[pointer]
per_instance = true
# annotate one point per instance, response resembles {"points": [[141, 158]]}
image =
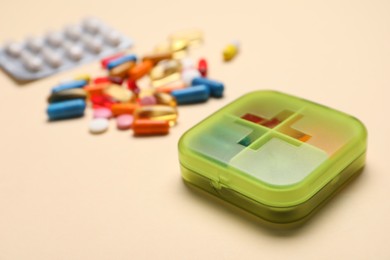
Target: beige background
{"points": [[65, 194]]}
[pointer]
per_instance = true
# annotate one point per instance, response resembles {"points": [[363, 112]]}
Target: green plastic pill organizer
{"points": [[275, 155]]}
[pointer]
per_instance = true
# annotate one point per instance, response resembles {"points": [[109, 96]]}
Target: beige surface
{"points": [[65, 194]]}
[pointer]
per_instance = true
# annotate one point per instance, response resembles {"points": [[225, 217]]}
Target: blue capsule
{"points": [[66, 109], [194, 94], [216, 87], [69, 85], [120, 60]]}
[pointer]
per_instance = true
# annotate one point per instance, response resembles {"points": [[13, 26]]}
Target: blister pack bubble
{"points": [[73, 45]]}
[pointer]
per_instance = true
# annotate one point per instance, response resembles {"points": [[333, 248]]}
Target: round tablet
{"points": [[73, 32], [112, 37], [124, 122], [187, 63], [91, 25], [148, 100], [33, 64], [54, 39], [94, 45], [14, 49], [189, 75], [35, 44], [75, 52], [52, 58], [102, 113], [98, 125]]}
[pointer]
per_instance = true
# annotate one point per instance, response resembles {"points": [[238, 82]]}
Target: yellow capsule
{"points": [[166, 80], [157, 112], [144, 92], [85, 77], [179, 45], [165, 68], [230, 51], [193, 37], [119, 93], [165, 99]]}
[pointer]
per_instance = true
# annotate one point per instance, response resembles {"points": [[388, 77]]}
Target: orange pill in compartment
{"points": [[150, 127], [123, 108], [140, 70]]}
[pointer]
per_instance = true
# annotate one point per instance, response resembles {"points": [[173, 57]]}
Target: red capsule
{"points": [[202, 67], [106, 60], [101, 80], [132, 85]]}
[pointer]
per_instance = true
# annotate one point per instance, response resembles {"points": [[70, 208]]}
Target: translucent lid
{"points": [[272, 147]]}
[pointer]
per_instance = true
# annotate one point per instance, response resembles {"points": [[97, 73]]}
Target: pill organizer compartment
{"points": [[275, 155]]}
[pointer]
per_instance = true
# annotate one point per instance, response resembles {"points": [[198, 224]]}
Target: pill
{"points": [[122, 70], [148, 101], [123, 108], [150, 127], [14, 49], [118, 61], [165, 99], [106, 60], [54, 39], [230, 51], [216, 87], [102, 113], [91, 25], [66, 109], [124, 122], [93, 44], [189, 75], [164, 81], [156, 57], [116, 80], [193, 36], [85, 77], [33, 64], [179, 45], [73, 32], [164, 68], [52, 58], [74, 52], [99, 80], [194, 94], [202, 67], [168, 88], [69, 85], [98, 125], [140, 69], [35, 44], [96, 89], [99, 101], [132, 85], [157, 112], [119, 93], [67, 94], [113, 38]]}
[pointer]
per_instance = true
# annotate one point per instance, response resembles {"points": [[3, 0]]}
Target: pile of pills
{"points": [[172, 79], [76, 44]]}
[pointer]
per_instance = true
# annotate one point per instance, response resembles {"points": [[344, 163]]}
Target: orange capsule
{"points": [[122, 70], [123, 108], [156, 57], [140, 70], [96, 89], [150, 127]]}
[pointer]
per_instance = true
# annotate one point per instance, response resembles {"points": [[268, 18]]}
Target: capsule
{"points": [[164, 81], [165, 99], [99, 101], [123, 108], [216, 87], [119, 93], [118, 61], [140, 70], [66, 109], [69, 85], [67, 94], [193, 36], [99, 80], [96, 89], [122, 70], [108, 59], [202, 67], [132, 85], [157, 112], [230, 51], [85, 77], [194, 94], [164, 68], [150, 127], [168, 88], [156, 57]]}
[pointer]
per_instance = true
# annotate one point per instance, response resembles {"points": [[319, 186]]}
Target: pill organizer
{"points": [[38, 57], [275, 155]]}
